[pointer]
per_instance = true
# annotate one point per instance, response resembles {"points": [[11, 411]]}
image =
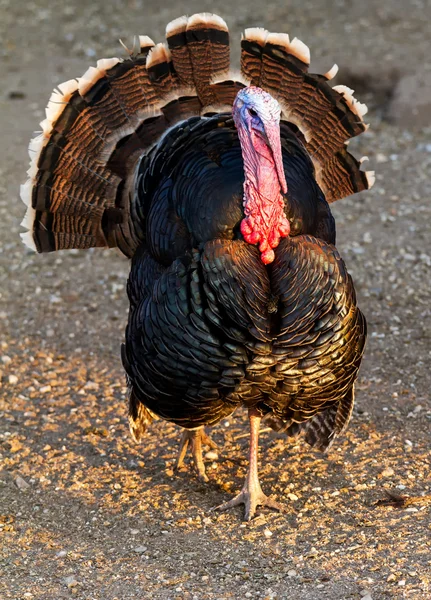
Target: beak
{"points": [[272, 132]]}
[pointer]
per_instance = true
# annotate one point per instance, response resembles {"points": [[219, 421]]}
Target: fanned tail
{"points": [[80, 190]]}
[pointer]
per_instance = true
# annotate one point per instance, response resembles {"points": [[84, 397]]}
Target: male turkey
{"points": [[217, 186]]}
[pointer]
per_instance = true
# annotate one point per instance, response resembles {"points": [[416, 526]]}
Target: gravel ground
{"points": [[87, 514]]}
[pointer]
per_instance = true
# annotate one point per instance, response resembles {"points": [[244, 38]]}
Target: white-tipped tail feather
{"points": [[158, 54], [25, 192], [278, 39], [300, 50], [332, 72], [29, 217], [209, 20], [256, 34], [27, 238], [176, 26], [347, 93], [371, 178], [145, 42]]}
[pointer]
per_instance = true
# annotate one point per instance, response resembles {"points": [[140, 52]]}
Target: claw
{"points": [[196, 438]]}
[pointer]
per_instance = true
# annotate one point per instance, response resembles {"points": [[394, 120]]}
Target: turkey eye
{"points": [[252, 112]]}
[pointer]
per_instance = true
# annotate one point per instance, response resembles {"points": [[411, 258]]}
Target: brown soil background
{"points": [[102, 518]]}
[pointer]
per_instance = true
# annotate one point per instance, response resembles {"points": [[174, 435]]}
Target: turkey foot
{"points": [[252, 497], [251, 494], [196, 438]]}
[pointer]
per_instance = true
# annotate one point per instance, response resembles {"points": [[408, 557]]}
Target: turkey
{"points": [[216, 184]]}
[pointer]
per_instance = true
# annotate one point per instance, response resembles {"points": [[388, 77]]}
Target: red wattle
{"points": [[246, 228], [266, 232], [267, 257]]}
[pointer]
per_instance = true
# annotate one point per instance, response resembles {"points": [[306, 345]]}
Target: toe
{"points": [[236, 501], [251, 502], [202, 474], [271, 503], [207, 441], [250, 509]]}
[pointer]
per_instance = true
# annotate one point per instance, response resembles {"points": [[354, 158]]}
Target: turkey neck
{"points": [[265, 222], [261, 186]]}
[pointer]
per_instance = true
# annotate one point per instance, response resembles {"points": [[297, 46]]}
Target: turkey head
{"points": [[257, 118]]}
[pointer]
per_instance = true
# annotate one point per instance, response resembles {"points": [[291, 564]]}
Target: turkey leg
{"points": [[251, 494], [196, 438]]}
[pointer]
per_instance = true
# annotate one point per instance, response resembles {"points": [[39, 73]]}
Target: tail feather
{"points": [[177, 41], [139, 417], [161, 72], [252, 44], [208, 43], [321, 430], [200, 51], [80, 188]]}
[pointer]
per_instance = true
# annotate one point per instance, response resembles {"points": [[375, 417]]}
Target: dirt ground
{"points": [[87, 514]]}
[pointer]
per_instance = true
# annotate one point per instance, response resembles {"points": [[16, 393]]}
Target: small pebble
{"points": [[211, 455], [134, 531], [91, 385], [360, 486], [388, 472], [6, 360], [291, 573], [267, 533], [70, 581], [402, 582], [61, 553], [140, 549], [13, 379], [292, 497], [21, 483]]}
